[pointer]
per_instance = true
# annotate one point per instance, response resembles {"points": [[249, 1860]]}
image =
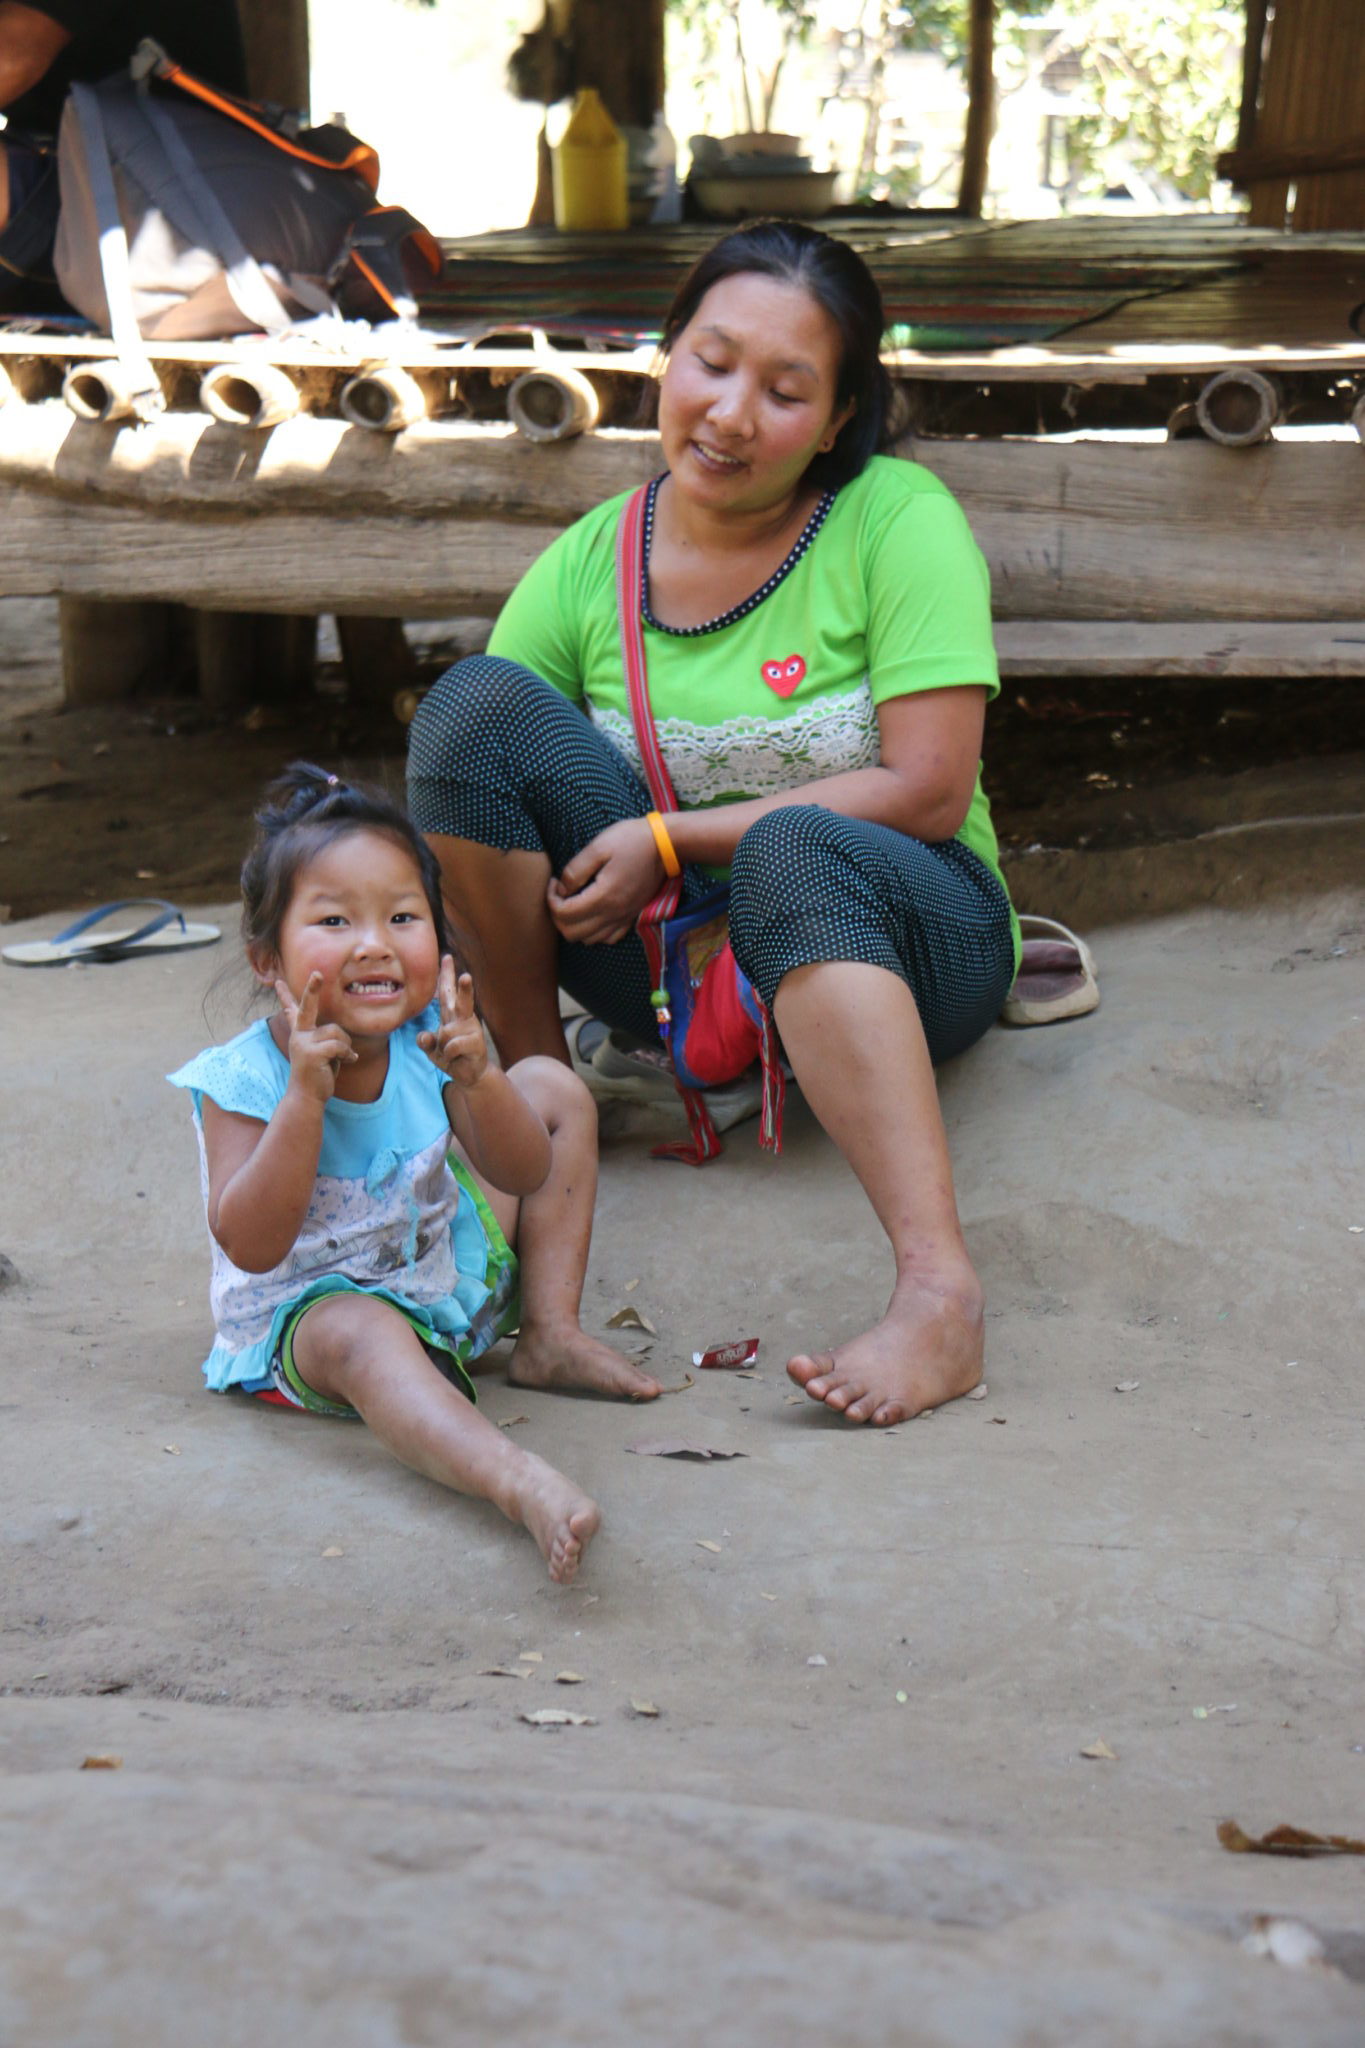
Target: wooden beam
{"points": [[976, 140], [1066, 649], [1300, 160], [445, 517]]}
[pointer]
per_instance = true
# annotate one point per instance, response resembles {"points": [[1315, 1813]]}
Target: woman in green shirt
{"points": [[817, 630]]}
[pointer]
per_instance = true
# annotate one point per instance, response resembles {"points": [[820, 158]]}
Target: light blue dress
{"points": [[388, 1217]]}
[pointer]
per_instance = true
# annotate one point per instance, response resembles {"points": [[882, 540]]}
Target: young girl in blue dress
{"points": [[367, 1172]]}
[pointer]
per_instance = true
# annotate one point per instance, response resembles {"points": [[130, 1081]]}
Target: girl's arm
{"points": [[262, 1176], [930, 752], [504, 1138]]}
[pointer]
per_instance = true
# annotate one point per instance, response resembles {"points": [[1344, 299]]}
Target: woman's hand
{"points": [[606, 885], [458, 1047], [315, 1052]]}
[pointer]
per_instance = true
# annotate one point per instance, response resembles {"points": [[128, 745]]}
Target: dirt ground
{"points": [[863, 1812]]}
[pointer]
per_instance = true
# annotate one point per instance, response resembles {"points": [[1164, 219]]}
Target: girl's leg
{"points": [[551, 1231], [353, 1349], [879, 955]]}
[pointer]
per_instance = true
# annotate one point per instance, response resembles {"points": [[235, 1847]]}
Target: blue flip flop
{"points": [[166, 932]]}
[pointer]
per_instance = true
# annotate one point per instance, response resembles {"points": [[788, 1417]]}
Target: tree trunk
{"points": [[976, 142]]}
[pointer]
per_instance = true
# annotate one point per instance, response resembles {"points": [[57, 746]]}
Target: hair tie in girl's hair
{"points": [[333, 782]]}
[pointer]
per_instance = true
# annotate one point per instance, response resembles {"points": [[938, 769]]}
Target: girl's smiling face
{"points": [[748, 397], [359, 917]]}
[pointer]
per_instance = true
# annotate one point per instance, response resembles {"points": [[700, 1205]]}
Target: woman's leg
{"points": [[856, 1045], [551, 1231], [354, 1349], [860, 939], [508, 780]]}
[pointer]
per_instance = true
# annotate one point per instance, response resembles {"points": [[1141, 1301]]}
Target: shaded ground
{"points": [[90, 798]]}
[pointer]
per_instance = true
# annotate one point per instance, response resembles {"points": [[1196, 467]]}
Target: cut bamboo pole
{"points": [[1239, 408], [255, 395], [383, 398], [553, 405], [100, 390]]}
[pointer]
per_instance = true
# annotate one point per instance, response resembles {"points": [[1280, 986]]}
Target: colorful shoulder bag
{"points": [[712, 1021]]}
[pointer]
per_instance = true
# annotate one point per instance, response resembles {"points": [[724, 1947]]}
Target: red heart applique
{"points": [[783, 677]]}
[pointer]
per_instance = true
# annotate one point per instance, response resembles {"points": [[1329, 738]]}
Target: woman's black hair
{"points": [[303, 811], [837, 278]]}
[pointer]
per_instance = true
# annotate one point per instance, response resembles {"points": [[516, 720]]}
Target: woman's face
{"points": [[748, 395]]}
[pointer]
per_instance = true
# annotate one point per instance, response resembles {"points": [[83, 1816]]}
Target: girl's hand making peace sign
{"points": [[458, 1047], [315, 1052]]}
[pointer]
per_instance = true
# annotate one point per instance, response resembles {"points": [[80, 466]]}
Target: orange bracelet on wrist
{"points": [[667, 854]]}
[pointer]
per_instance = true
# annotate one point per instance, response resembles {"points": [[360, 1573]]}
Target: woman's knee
{"points": [[481, 700], [785, 863]]}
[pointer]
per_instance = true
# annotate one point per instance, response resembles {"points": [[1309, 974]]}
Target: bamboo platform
{"points": [[1121, 537]]}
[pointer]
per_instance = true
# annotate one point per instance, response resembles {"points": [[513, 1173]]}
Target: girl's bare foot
{"points": [[568, 1359], [562, 1519], [926, 1349]]}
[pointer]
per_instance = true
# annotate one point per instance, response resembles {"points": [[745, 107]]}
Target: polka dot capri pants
{"points": [[500, 757]]}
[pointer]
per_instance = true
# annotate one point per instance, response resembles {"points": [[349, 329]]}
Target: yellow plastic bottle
{"points": [[589, 169]]}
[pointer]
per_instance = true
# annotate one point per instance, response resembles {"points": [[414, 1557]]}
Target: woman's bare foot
{"points": [[926, 1349], [567, 1359], [562, 1519]]}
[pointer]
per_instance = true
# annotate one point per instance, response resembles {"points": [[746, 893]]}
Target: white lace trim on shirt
{"points": [[751, 756]]}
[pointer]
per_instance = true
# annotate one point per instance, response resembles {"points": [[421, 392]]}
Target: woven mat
{"points": [[942, 289]]}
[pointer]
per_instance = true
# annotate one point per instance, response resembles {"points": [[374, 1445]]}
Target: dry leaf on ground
{"points": [[679, 1447], [530, 1656], [1126, 1386], [505, 1671], [1286, 1841], [978, 1393], [645, 1708], [682, 1386], [333, 1550], [1100, 1750], [631, 1318], [705, 1543], [511, 1421], [557, 1717], [103, 1760], [568, 1678]]}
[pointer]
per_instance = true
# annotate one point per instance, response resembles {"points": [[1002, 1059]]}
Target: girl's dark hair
{"points": [[302, 812], [837, 278]]}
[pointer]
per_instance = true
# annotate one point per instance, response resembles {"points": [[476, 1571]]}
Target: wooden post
{"points": [[111, 651], [275, 33], [1252, 58], [976, 140], [378, 660], [619, 49]]}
